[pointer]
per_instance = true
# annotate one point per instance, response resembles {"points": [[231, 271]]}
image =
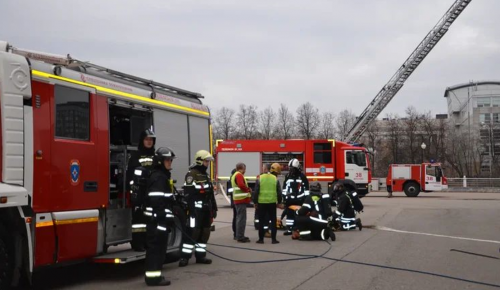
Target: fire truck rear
{"points": [[67, 129], [414, 178], [325, 161]]}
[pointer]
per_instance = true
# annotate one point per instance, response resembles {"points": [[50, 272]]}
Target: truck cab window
{"points": [[430, 170], [72, 112], [356, 157]]}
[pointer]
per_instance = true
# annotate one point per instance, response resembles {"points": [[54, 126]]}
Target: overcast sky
{"points": [[335, 54]]}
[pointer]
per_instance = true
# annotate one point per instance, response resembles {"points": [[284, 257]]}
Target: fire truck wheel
{"points": [[412, 189], [6, 259]]}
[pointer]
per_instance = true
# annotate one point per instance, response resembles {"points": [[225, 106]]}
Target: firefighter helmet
{"points": [[294, 163], [201, 156], [163, 153], [276, 168], [149, 133], [315, 187]]}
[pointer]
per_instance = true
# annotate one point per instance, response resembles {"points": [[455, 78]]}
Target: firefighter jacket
{"points": [[348, 203], [316, 206], [267, 189], [160, 199], [199, 190], [143, 157], [295, 186]]}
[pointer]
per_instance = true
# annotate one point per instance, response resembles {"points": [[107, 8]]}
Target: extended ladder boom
{"points": [[398, 79]]}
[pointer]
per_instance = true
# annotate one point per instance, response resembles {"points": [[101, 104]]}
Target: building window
{"points": [[483, 102], [496, 118], [485, 118], [323, 153], [72, 113], [495, 101]]}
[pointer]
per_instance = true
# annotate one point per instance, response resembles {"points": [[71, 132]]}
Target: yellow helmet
{"points": [[276, 168], [201, 156]]}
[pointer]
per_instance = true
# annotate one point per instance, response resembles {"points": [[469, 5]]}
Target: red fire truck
{"points": [[414, 178], [322, 160], [67, 128]]}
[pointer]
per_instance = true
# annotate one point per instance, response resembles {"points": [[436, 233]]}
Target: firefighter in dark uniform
{"points": [[139, 167], [348, 205], [314, 215], [200, 197], [295, 190], [158, 207]]}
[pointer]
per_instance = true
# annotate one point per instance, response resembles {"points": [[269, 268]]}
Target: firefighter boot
{"points": [[161, 281], [203, 261], [183, 262], [359, 224]]}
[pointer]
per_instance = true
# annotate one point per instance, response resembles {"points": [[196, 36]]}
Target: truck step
{"points": [[120, 257]]}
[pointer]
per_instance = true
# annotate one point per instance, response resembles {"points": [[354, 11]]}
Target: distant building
{"points": [[474, 107]]}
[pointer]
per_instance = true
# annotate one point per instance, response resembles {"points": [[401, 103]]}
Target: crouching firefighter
{"points": [[202, 207], [159, 204], [295, 190], [348, 205], [138, 170], [314, 216]]}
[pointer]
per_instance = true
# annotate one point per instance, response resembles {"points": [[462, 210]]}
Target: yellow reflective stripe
{"points": [[44, 224], [119, 93], [77, 221]]}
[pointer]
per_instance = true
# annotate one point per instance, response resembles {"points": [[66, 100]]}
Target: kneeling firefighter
{"points": [[159, 203], [314, 215], [348, 205], [200, 197]]}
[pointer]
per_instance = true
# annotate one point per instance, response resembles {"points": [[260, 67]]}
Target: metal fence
{"points": [[473, 182]]}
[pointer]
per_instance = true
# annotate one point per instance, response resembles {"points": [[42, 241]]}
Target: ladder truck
{"points": [[397, 81]]}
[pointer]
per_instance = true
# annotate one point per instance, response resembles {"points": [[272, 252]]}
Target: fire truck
{"points": [[67, 129], [325, 161], [414, 178]]}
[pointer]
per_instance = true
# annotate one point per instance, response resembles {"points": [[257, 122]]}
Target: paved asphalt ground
{"points": [[458, 250]]}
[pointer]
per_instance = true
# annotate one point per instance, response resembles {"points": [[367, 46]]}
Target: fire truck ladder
{"points": [[398, 79]]}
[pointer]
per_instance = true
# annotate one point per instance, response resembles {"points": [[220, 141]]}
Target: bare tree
{"points": [[307, 120], [411, 124], [224, 127], [267, 123], [285, 125], [394, 128], [372, 142], [344, 123], [247, 121], [327, 126]]}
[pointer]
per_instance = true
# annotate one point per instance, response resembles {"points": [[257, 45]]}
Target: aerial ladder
{"points": [[388, 92]]}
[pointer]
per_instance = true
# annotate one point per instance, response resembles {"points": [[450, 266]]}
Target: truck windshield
{"points": [[356, 157]]}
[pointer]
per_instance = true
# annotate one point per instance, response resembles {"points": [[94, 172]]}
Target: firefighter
{"points": [[266, 198], [202, 207], [314, 215], [295, 189], [158, 207], [138, 169], [348, 205]]}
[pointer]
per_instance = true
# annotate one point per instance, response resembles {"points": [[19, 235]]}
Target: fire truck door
{"points": [[431, 179], [355, 164], [77, 191]]}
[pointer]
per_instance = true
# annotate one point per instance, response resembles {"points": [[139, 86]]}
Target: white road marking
{"points": [[434, 235]]}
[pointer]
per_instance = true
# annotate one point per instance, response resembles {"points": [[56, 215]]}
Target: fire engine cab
{"points": [[413, 178], [325, 161], [67, 129]]}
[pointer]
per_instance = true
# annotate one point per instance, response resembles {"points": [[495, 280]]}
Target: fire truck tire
{"points": [[412, 189], [6, 259]]}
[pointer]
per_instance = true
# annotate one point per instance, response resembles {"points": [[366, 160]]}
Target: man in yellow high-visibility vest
{"points": [[241, 198]]}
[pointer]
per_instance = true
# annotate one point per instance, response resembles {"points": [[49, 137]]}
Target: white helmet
{"points": [[294, 163]]}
